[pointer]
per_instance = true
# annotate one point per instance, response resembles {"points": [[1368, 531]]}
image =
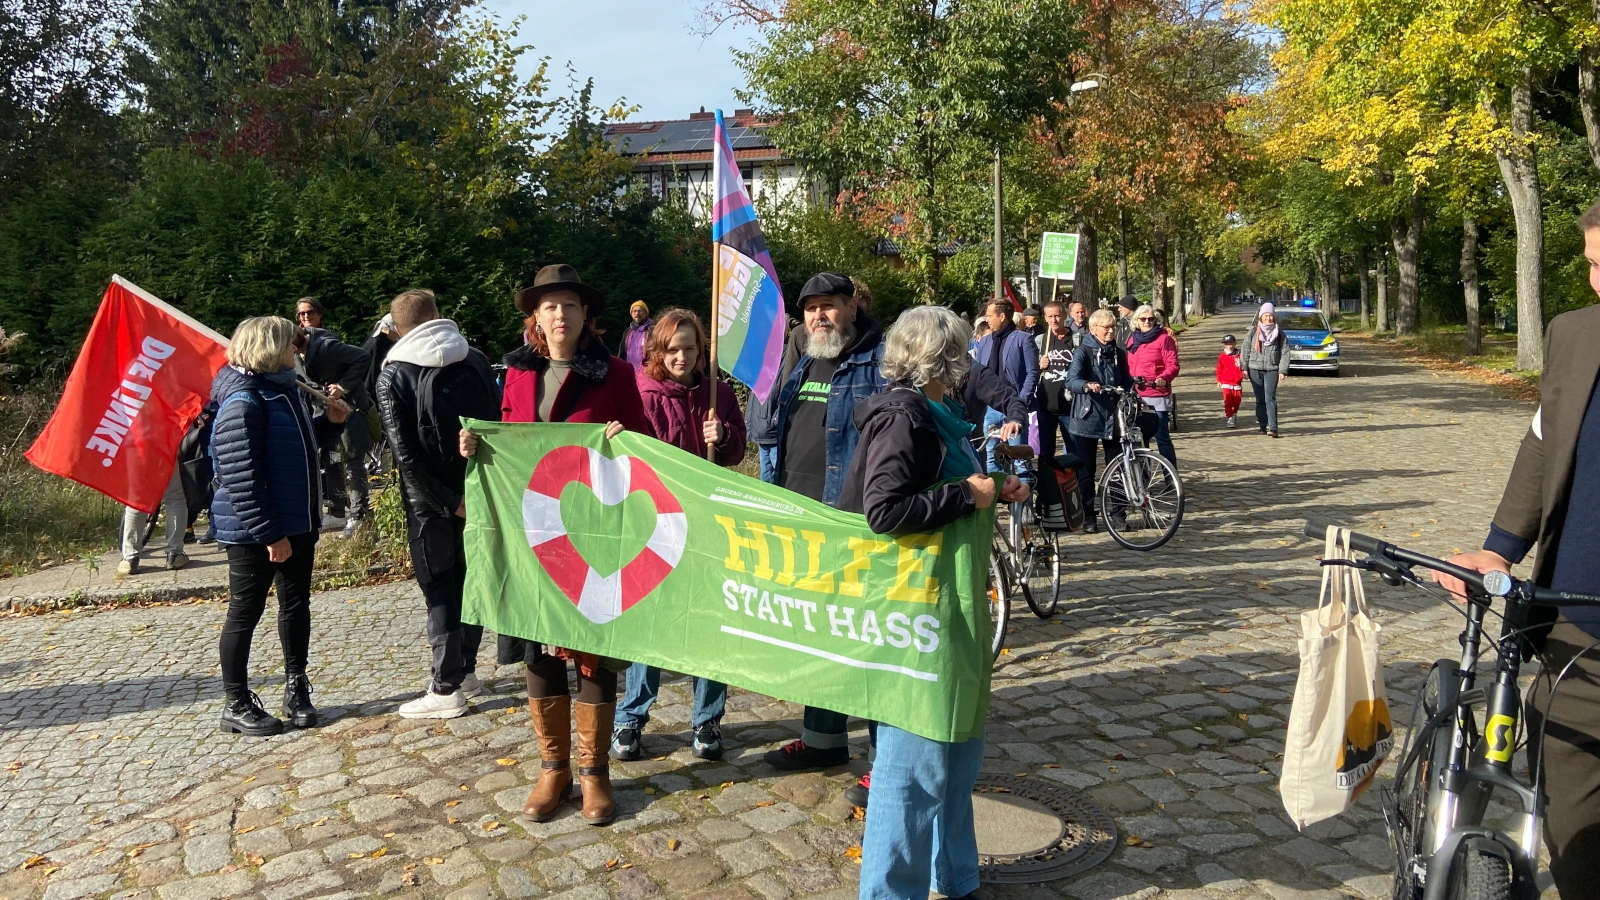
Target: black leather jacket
{"points": [[422, 409], [328, 360]]}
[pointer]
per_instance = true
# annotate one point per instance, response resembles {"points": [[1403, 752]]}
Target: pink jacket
{"points": [[1156, 359], [678, 415]]}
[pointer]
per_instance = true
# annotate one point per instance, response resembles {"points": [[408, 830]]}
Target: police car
{"points": [[1312, 347]]}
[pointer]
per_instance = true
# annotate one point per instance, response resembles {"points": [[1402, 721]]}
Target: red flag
{"points": [[142, 377]]}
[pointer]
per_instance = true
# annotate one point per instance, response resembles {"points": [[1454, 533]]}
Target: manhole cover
{"points": [[1031, 831]]}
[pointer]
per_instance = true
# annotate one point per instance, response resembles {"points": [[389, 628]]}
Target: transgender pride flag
{"points": [[748, 299]]}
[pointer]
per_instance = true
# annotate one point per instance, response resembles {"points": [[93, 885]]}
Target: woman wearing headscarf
{"points": [[676, 391], [1266, 351], [268, 510], [1153, 356], [564, 374], [914, 470]]}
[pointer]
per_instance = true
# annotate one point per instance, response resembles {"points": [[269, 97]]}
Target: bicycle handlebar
{"points": [[1493, 584]]}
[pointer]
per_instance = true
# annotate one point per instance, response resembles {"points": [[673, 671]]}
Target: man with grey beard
{"points": [[816, 438]]}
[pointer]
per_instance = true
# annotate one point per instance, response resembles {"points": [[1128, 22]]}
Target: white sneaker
{"points": [[1231, 423], [435, 706], [470, 686]]}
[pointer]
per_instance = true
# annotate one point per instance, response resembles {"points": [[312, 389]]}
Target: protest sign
{"points": [[635, 550], [142, 377]]}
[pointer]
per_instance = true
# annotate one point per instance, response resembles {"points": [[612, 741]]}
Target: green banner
{"points": [[633, 549]]}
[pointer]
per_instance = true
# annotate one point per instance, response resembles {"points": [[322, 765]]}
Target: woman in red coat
{"points": [[677, 400], [564, 374]]}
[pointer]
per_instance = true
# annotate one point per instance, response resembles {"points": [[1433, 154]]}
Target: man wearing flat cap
{"points": [[816, 438]]}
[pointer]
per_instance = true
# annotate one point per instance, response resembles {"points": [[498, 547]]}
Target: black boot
{"points": [[297, 706], [242, 714]]}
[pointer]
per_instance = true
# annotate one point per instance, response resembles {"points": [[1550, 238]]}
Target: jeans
{"points": [[176, 507], [455, 643], [919, 826], [993, 418], [250, 574], [1162, 435], [1050, 425], [644, 685], [769, 462], [1264, 384], [1084, 448]]}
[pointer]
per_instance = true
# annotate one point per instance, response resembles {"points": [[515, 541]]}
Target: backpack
{"points": [[1060, 503], [195, 468]]}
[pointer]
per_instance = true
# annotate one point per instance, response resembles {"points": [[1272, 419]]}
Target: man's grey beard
{"points": [[829, 343]]}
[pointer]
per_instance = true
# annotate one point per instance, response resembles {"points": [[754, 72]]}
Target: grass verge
{"points": [[45, 520]]}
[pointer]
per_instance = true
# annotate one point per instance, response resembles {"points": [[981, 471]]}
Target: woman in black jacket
{"points": [[915, 470], [1097, 362]]}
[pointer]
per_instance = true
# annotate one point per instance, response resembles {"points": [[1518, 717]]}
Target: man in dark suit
{"points": [[1552, 502]]}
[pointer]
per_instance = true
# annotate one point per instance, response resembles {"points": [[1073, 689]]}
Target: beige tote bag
{"points": [[1340, 731]]}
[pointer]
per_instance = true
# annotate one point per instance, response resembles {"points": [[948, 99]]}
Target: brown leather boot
{"points": [[552, 722], [594, 769]]}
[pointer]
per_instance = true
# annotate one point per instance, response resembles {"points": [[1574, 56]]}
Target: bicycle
{"points": [[1139, 482], [1449, 768], [1025, 547]]}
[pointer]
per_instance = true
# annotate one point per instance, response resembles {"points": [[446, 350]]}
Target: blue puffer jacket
{"points": [[1095, 415], [1017, 361], [854, 380], [264, 450]]}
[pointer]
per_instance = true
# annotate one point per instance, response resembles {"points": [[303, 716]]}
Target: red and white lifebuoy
{"points": [[600, 599]]}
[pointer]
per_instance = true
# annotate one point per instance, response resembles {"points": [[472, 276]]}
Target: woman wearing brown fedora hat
{"points": [[565, 374]]}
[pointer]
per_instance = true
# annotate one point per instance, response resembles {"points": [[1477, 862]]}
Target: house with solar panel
{"points": [[673, 160]]}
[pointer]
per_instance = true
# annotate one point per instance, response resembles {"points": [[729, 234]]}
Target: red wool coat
{"points": [[600, 389], [678, 415]]}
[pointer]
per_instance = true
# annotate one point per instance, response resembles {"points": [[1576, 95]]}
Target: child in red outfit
{"points": [[1230, 378]]}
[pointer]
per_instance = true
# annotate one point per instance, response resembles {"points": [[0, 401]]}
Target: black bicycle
{"points": [[1450, 768]]}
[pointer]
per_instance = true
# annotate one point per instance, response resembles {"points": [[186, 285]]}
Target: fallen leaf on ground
{"points": [[358, 855], [253, 778], [452, 803], [1220, 690], [853, 854], [505, 761], [764, 802], [249, 828], [36, 860], [492, 825], [1046, 765], [612, 863], [254, 860], [384, 851], [436, 860], [672, 843], [725, 784], [1133, 840]]}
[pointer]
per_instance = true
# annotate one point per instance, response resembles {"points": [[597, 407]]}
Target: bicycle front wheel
{"points": [[999, 603], [1040, 558], [1141, 497]]}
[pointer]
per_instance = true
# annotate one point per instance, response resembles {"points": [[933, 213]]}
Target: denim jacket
{"points": [[856, 379]]}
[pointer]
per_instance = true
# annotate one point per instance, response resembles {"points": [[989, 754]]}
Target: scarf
{"points": [[959, 458], [1265, 334], [1140, 338]]}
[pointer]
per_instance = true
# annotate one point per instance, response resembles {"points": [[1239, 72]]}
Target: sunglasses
{"points": [[1147, 318]]}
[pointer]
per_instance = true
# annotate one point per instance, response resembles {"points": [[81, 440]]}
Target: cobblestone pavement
{"points": [[1160, 690]]}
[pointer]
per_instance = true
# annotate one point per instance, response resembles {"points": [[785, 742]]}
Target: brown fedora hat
{"points": [[560, 277]]}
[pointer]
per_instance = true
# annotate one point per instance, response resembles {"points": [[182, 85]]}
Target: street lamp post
{"points": [[1089, 83]]}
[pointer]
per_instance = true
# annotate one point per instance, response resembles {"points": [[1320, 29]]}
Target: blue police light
{"points": [[1308, 302]]}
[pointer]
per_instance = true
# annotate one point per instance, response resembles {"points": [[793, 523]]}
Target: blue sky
{"points": [[643, 50]]}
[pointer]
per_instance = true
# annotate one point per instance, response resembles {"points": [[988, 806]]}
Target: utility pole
{"points": [[999, 233]]}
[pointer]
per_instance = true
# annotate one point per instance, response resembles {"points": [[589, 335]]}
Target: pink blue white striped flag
{"points": [[750, 319]]}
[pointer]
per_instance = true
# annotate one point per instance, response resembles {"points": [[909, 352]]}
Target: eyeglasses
{"points": [[305, 314], [1147, 318]]}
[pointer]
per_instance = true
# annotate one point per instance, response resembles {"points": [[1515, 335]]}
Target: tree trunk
{"points": [[1519, 170], [1365, 283], [1086, 281], [1158, 272], [1383, 289], [1330, 289], [1199, 298], [1589, 94], [1407, 234], [1027, 271], [1123, 289], [1179, 276], [1469, 282]]}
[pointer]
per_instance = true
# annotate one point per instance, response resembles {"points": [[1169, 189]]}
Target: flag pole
{"points": [[711, 354]]}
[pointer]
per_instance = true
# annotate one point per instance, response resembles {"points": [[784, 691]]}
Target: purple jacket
{"points": [[678, 415], [633, 343]]}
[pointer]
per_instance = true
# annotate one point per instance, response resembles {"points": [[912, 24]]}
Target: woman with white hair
{"points": [[267, 511], [914, 470], [1153, 361]]}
